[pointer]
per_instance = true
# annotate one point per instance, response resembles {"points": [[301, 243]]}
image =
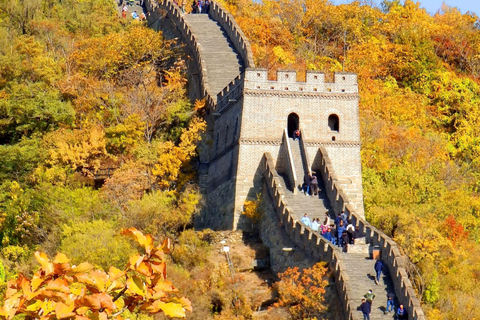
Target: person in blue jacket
{"points": [[366, 309], [378, 269], [328, 235], [340, 229], [402, 313]]}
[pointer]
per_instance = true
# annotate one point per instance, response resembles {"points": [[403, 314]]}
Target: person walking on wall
{"points": [[314, 184], [344, 241], [369, 296], [366, 308], [378, 270], [351, 232], [340, 230], [390, 302], [315, 224], [306, 183], [296, 135], [402, 313], [328, 235], [305, 220]]}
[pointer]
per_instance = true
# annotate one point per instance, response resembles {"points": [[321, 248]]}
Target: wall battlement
{"points": [[256, 79]]}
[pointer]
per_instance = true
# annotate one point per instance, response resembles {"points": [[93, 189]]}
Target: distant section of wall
{"points": [[390, 253], [176, 18], [236, 35]]}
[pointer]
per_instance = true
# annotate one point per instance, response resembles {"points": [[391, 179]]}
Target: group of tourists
{"points": [[199, 6], [134, 14], [341, 234], [367, 301], [366, 306]]}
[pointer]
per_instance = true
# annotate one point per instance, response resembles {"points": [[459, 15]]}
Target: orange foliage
{"points": [[59, 290]]}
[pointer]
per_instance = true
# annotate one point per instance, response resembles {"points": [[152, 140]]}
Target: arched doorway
{"points": [[333, 122], [292, 124]]}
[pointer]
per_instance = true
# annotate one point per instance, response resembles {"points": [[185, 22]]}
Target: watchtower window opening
{"points": [[333, 122], [292, 124]]}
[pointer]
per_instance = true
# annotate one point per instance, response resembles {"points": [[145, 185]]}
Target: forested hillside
{"points": [[86, 95], [420, 94]]}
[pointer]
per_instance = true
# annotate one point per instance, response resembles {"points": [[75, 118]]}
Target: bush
{"points": [[97, 242]]}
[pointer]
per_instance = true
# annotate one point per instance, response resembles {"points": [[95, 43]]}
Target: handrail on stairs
{"points": [[292, 176], [303, 151]]}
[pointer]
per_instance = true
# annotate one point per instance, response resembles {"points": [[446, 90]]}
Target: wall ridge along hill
{"points": [[250, 119]]}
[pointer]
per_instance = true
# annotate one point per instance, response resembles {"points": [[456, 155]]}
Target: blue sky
{"points": [[433, 6]]}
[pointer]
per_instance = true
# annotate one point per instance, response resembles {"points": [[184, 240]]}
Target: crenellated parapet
{"points": [[344, 83], [230, 94]]}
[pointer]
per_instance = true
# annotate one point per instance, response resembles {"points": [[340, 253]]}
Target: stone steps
{"points": [[223, 63], [358, 263]]}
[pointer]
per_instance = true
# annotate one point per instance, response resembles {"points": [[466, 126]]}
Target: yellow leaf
{"points": [[42, 258], [64, 310], [82, 268], [135, 285], [61, 258], [171, 309]]}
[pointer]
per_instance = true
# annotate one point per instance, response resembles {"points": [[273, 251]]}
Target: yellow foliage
{"points": [[80, 149], [252, 210]]}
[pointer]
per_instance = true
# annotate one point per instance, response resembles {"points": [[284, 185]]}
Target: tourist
{"points": [[390, 301], [206, 6], [124, 11], [328, 235], [369, 296], [402, 313], [183, 5], [344, 217], [344, 241], [351, 232], [296, 135], [143, 17], [305, 220], [314, 184], [306, 183], [194, 6], [337, 220], [378, 269], [135, 15], [315, 224], [366, 308], [340, 230], [324, 227]]}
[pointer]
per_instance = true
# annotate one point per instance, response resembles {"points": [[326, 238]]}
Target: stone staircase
{"points": [[223, 63], [358, 262]]}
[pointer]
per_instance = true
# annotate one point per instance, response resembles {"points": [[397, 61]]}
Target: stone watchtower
{"points": [[255, 115]]}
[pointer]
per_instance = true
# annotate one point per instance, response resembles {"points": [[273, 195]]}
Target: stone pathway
{"points": [[223, 64], [357, 261]]}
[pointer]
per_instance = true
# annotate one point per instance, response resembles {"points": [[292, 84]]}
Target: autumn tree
{"points": [[302, 292], [61, 290]]}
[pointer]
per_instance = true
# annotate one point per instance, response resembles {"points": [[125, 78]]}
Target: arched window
{"points": [[292, 124], [333, 122]]}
